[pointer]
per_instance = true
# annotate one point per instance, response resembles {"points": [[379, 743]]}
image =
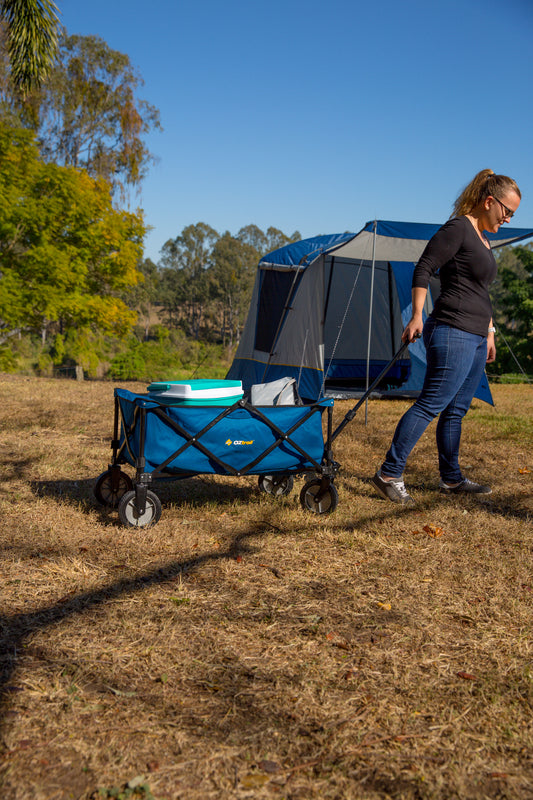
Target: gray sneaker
{"points": [[465, 487], [392, 490]]}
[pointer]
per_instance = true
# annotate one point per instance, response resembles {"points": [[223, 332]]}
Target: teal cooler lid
{"points": [[196, 384]]}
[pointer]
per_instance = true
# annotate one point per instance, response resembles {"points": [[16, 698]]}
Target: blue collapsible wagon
{"points": [[186, 439], [167, 435]]}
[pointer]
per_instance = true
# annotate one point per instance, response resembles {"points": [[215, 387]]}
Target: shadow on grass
{"points": [[236, 679], [14, 469], [196, 491], [14, 629], [429, 497]]}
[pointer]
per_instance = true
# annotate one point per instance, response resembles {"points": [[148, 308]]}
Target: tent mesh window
{"points": [[276, 288], [345, 356]]}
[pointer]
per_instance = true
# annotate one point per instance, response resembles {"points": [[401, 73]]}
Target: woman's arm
{"points": [[414, 327], [491, 344]]}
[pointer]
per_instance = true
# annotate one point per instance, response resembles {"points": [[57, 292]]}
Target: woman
{"points": [[458, 334]]}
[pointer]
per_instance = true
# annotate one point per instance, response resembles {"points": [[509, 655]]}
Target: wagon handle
{"points": [[351, 414]]}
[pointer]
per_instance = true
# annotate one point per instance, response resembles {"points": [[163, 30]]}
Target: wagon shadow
{"points": [[197, 492], [15, 469], [75, 491]]}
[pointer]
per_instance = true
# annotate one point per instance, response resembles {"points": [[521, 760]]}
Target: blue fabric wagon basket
{"points": [[238, 440], [183, 440]]}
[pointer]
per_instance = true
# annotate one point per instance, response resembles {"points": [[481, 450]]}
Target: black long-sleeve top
{"points": [[466, 270]]}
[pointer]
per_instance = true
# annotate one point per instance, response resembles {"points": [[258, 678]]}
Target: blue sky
{"points": [[319, 115]]}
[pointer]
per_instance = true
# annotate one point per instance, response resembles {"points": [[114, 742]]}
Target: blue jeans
{"points": [[455, 363]]}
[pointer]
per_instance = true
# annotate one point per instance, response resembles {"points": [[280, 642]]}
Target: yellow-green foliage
{"points": [[65, 251]]}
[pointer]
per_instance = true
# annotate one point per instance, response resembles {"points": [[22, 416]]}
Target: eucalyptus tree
{"points": [[185, 261], [89, 113], [231, 277]]}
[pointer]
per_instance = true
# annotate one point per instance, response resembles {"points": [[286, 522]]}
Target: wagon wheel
{"points": [[318, 498], [278, 485], [110, 486], [129, 515]]}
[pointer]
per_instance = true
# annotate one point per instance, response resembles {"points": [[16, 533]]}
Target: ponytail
{"points": [[485, 183]]}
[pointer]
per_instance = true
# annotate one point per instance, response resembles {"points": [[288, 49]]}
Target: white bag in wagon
{"points": [[282, 392]]}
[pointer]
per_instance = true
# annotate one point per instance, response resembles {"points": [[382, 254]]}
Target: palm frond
{"points": [[32, 30]]}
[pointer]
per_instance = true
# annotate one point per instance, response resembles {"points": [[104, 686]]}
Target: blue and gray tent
{"points": [[330, 310]]}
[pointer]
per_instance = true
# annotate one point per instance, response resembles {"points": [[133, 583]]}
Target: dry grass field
{"points": [[244, 648]]}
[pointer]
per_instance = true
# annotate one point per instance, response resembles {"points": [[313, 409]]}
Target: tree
{"points": [[143, 296], [184, 281], [65, 252], [513, 307], [276, 238], [31, 40], [255, 237], [90, 115], [231, 280], [266, 242]]}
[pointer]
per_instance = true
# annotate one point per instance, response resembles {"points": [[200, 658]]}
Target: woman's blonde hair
{"points": [[484, 184]]}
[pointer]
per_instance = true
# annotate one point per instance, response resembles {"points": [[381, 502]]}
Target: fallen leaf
{"points": [[238, 559], [253, 780], [386, 606], [433, 530], [466, 676], [269, 766], [337, 641], [524, 470]]}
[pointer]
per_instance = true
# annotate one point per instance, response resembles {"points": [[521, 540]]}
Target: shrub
{"points": [[128, 366], [8, 360]]}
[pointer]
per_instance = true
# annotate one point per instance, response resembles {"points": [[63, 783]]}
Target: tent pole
{"points": [[370, 318]]}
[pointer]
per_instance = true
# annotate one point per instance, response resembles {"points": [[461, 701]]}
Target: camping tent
{"points": [[329, 311]]}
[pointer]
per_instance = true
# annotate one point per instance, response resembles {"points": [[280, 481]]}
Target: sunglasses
{"points": [[507, 211]]}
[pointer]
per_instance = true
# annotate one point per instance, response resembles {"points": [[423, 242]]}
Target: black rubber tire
{"points": [[108, 495], [277, 485], [328, 501], [127, 510]]}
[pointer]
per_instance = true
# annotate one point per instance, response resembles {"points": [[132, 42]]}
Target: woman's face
{"points": [[500, 209]]}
